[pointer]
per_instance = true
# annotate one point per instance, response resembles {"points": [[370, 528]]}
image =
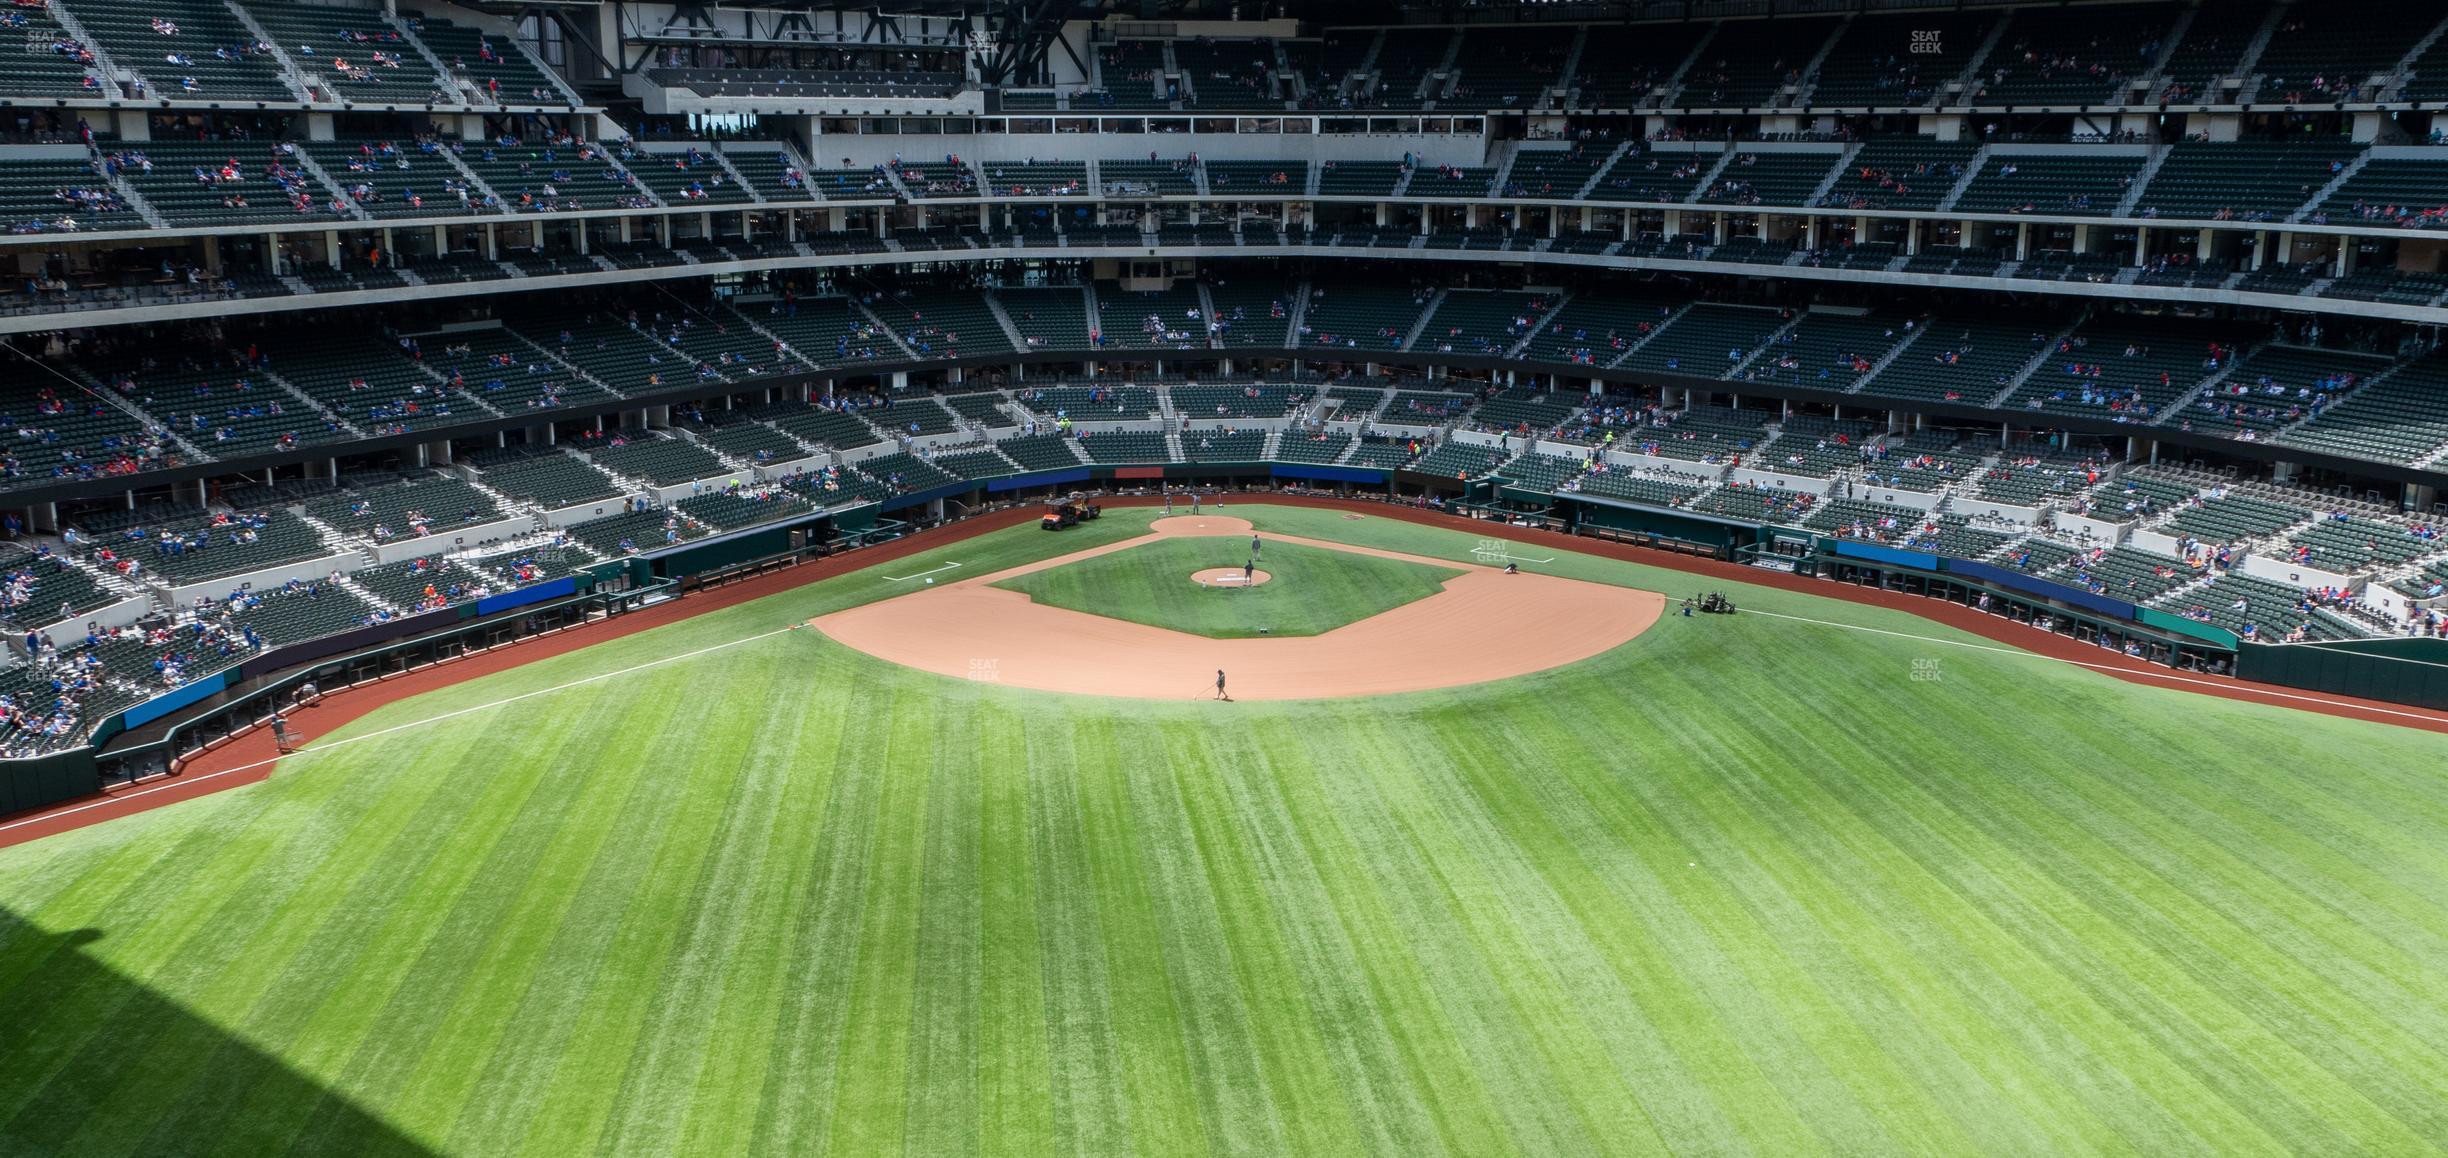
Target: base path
{"points": [[1484, 626], [248, 757]]}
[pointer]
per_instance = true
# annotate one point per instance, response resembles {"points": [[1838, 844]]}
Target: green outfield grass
{"points": [[1743, 885], [1311, 590]]}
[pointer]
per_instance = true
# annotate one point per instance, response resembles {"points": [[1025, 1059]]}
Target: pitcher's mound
{"points": [[1227, 577]]}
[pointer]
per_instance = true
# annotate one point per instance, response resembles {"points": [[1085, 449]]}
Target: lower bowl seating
{"points": [[1224, 445], [1041, 452], [1618, 483], [733, 509], [635, 532], [660, 461], [550, 480], [1125, 447], [426, 583]]}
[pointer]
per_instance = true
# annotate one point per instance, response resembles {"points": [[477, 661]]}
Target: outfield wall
{"points": [[2402, 671], [2374, 669]]}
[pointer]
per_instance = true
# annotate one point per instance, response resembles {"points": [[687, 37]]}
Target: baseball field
{"points": [[1817, 877]]}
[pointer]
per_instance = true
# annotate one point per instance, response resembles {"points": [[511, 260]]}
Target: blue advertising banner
{"points": [[565, 585], [2018, 581], [1856, 549]]}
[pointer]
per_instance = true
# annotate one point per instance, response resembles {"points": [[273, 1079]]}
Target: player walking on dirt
{"points": [[1220, 693]]}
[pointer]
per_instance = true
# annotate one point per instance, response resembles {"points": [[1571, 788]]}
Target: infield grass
{"points": [[1310, 590], [1744, 885]]}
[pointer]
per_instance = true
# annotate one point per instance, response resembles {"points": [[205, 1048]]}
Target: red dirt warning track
{"points": [[248, 758], [975, 630]]}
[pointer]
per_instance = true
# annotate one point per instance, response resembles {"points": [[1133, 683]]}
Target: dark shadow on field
{"points": [[217, 1094]]}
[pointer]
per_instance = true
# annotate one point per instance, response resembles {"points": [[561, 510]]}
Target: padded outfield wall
{"points": [[2399, 671]]}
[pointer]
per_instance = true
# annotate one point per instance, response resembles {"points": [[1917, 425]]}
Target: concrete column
{"points": [[331, 248], [2082, 239], [492, 243], [1912, 238], [2023, 242], [2141, 251]]}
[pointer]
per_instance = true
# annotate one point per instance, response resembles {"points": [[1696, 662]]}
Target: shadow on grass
{"points": [[92, 1061]]}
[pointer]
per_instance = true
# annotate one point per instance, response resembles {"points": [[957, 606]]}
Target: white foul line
{"points": [[2113, 669], [342, 743], [928, 571]]}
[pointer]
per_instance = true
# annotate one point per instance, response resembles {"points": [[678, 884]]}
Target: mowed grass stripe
{"points": [[795, 780], [1959, 974], [1572, 818], [442, 920], [1324, 1035], [1573, 986], [496, 843], [1529, 1050], [870, 1107], [1855, 961], [1242, 1098], [1426, 1034], [712, 951], [2189, 1079], [1455, 922], [2181, 1025], [180, 886], [1311, 1093], [947, 950], [796, 1105], [1840, 1048], [1093, 1107], [1016, 1075], [55, 1025], [2265, 897], [2315, 1031], [1169, 1111], [544, 1008]]}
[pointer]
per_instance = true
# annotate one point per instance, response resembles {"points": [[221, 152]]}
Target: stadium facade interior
{"points": [[327, 320]]}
